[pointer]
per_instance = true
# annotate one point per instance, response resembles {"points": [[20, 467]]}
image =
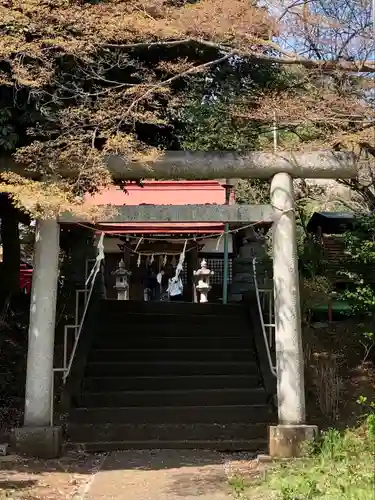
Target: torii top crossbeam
{"points": [[252, 165], [173, 165]]}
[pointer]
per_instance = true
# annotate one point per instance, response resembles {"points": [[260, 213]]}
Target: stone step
{"points": [[158, 382], [178, 414], [179, 327], [257, 446], [170, 308], [243, 278], [165, 432], [215, 355], [189, 397], [123, 341], [241, 287], [176, 368], [143, 321]]}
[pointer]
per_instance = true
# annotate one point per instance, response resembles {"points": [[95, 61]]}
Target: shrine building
{"points": [[159, 245]]}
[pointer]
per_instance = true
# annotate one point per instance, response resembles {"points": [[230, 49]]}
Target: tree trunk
{"points": [[10, 238]]}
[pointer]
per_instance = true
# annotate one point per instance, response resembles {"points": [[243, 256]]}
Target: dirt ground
{"points": [[169, 475], [64, 479], [131, 475]]}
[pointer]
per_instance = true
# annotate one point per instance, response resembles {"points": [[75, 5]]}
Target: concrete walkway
{"points": [[166, 475]]}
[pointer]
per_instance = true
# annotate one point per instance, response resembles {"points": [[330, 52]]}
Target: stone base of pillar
{"points": [[289, 441], [38, 442]]}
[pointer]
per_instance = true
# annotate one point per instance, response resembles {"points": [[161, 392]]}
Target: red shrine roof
{"points": [[163, 193]]}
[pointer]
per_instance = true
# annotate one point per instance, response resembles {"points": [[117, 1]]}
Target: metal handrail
{"points": [[269, 325], [79, 322], [92, 277]]}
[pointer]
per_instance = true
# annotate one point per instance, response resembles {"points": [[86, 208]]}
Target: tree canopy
{"points": [[83, 79]]}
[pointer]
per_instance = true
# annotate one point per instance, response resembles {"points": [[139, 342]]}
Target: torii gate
{"points": [[285, 438]]}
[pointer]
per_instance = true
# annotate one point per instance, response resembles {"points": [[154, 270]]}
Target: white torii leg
{"points": [[38, 437], [42, 324], [289, 354], [287, 438]]}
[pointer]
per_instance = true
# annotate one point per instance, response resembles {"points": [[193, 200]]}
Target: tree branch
{"points": [[147, 45], [288, 59], [194, 69], [356, 130]]}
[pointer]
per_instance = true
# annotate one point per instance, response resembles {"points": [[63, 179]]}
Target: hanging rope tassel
{"points": [[181, 261], [99, 258], [138, 243], [218, 241], [139, 260]]}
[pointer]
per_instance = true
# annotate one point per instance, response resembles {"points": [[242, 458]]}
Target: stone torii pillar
{"points": [[38, 436], [285, 438]]}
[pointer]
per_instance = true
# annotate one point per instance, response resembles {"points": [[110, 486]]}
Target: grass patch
{"points": [[339, 466], [239, 486]]}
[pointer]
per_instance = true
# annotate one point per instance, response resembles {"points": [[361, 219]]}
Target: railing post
{"points": [[263, 326], [226, 264], [52, 409], [228, 188]]}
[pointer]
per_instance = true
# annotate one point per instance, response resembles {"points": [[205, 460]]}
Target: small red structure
{"points": [[155, 193], [26, 276], [163, 193], [157, 245]]}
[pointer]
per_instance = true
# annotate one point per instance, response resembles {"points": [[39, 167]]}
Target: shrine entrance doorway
{"points": [[153, 258]]}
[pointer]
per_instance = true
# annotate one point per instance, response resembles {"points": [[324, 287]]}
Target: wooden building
{"points": [[159, 245], [328, 229]]}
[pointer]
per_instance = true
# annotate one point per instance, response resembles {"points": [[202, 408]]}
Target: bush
{"points": [[339, 466]]}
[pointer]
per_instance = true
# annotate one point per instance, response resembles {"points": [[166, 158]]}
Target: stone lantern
{"points": [[203, 276], [122, 284]]}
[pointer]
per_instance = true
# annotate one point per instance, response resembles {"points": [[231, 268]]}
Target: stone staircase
{"points": [[171, 375]]}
